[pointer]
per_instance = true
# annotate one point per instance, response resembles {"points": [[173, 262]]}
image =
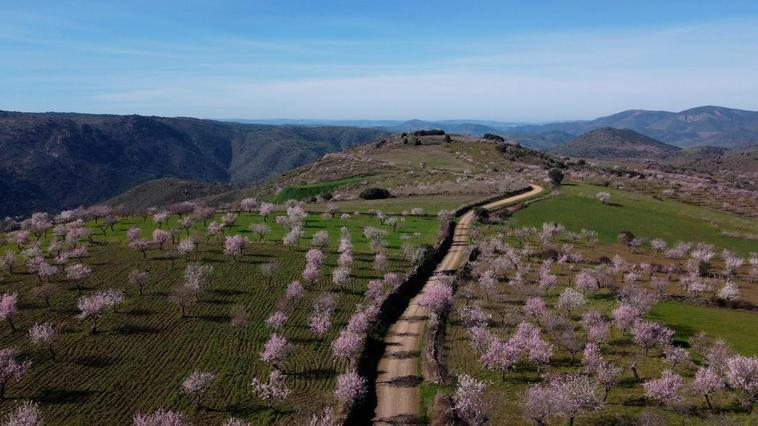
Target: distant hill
{"points": [[608, 142], [706, 125], [51, 161]]}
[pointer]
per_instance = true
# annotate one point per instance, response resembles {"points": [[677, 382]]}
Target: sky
{"points": [[519, 61]]}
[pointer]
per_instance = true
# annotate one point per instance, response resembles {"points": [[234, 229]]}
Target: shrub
{"points": [[493, 137], [375, 194], [430, 132]]}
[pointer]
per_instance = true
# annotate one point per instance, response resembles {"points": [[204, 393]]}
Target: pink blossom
{"points": [[380, 262], [78, 272], [160, 237], [186, 246], [295, 290], [276, 350], [341, 276], [315, 256], [666, 389], [276, 320], [393, 280], [570, 299], [25, 414], [591, 357], [133, 233], [586, 281], [675, 355], [742, 375], [624, 316], [233, 245], [8, 308], [348, 345], [321, 239], [345, 259], [273, 390], [138, 278], [707, 382], [11, 370], [197, 384], [649, 334], [470, 401], [160, 417], [351, 387], [500, 355], [260, 229], [535, 307], [311, 272], [437, 295], [265, 210], [320, 322]]}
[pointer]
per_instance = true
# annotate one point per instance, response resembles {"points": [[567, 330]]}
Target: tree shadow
{"points": [[63, 396], [134, 329], [95, 361]]}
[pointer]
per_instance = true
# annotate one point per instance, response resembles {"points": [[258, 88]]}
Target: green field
{"points": [[576, 207], [305, 192], [738, 328], [144, 351]]}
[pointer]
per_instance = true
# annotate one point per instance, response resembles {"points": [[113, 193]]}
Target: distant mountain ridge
{"points": [[50, 161], [609, 142], [699, 126]]}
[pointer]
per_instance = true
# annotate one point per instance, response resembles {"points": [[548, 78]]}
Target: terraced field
{"points": [[142, 352]]}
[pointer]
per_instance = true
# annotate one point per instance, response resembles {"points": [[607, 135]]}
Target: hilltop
{"points": [[52, 161], [608, 142]]}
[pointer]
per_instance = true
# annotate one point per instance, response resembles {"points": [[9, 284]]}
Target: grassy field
{"points": [[431, 204], [144, 351], [305, 192], [738, 328], [576, 207]]}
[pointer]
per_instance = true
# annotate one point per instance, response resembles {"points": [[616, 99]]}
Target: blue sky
{"points": [[500, 60]]}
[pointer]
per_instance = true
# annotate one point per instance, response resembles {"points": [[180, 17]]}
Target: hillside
{"points": [[705, 125], [51, 161], [608, 142]]}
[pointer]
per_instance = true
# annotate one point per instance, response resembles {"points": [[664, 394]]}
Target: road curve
{"points": [[398, 379]]}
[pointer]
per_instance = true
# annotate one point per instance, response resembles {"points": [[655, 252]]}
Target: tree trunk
{"points": [[94, 326], [52, 352], [10, 322], [708, 401]]}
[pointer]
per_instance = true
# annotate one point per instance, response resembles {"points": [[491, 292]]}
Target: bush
{"points": [[493, 137], [430, 132], [375, 194], [556, 176]]}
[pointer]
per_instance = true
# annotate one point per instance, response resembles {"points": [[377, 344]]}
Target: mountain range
{"points": [[53, 161], [700, 126]]}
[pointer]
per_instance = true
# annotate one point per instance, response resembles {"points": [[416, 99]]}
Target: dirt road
{"points": [[397, 383]]}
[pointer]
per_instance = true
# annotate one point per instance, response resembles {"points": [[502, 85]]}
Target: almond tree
{"points": [[11, 370], [273, 390], [25, 414], [95, 305], [666, 389], [197, 384], [161, 237], [276, 350], [351, 388], [77, 273], [8, 308], [160, 417], [260, 229], [742, 375], [276, 321], [44, 334], [183, 297], [268, 270], [707, 382], [138, 278], [470, 401]]}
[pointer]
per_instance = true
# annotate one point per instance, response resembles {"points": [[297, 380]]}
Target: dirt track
{"points": [[397, 383]]}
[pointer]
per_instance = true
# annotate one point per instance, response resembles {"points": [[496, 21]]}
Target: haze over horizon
{"points": [[344, 61]]}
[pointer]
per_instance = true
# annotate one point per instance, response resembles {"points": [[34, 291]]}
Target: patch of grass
{"points": [[303, 192], [576, 207], [738, 328]]}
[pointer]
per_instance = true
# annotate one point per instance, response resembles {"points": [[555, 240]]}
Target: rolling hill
{"points": [[51, 161], [608, 142]]}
